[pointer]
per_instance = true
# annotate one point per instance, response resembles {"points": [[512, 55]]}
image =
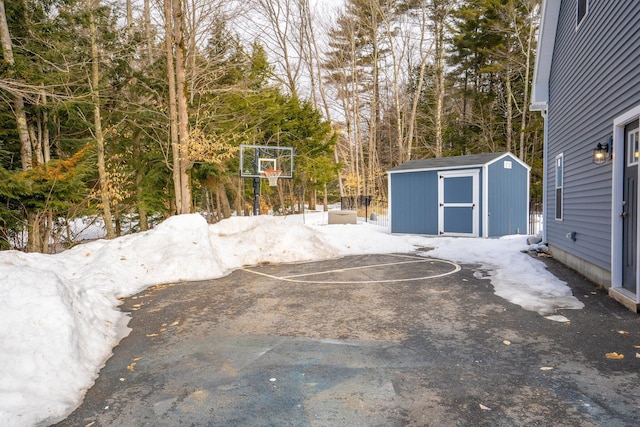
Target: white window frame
{"points": [[580, 17], [559, 185]]}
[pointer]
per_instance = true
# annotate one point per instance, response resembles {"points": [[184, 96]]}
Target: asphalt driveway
{"points": [[384, 340]]}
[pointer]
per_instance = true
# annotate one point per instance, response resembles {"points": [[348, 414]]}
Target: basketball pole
{"points": [[256, 196], [256, 183]]}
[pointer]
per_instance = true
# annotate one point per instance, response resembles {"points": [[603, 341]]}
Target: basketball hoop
{"points": [[272, 175]]}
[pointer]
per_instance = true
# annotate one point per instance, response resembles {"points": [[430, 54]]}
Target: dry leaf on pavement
{"points": [[615, 355]]}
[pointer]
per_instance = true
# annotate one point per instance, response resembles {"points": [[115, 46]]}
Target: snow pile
{"points": [[59, 319], [515, 276]]}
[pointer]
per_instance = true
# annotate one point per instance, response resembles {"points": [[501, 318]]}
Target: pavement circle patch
{"points": [[415, 268]]}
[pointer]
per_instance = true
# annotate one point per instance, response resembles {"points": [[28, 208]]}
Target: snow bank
{"points": [[514, 274], [59, 318]]}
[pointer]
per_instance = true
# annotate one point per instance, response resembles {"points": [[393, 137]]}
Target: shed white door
{"points": [[458, 207]]}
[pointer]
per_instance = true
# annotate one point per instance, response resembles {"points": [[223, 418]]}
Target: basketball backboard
{"points": [[255, 159]]}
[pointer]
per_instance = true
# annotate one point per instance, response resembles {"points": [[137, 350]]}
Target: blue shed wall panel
{"points": [[458, 189], [508, 204], [459, 220], [593, 79], [414, 203]]}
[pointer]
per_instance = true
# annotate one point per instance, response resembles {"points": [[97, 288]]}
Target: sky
{"points": [[59, 316]]}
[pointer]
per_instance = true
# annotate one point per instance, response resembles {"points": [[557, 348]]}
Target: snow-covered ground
{"points": [[59, 317]]}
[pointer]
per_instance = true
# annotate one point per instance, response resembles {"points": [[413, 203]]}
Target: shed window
{"points": [[559, 184], [581, 10], [632, 147]]}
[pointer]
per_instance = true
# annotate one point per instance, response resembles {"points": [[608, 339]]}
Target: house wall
{"points": [[594, 78], [414, 202], [508, 199]]}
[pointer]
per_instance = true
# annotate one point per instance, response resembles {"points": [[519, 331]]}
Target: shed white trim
{"points": [[461, 167], [442, 205]]}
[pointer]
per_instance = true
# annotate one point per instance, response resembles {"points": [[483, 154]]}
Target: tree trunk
{"points": [[226, 207], [147, 31], [525, 104], [183, 117], [509, 101], [18, 101], [139, 177], [33, 232], [218, 216], [325, 201], [408, 152], [48, 227], [129, 9], [374, 114], [46, 143], [239, 196], [439, 82], [117, 219], [312, 199], [97, 119], [173, 114]]}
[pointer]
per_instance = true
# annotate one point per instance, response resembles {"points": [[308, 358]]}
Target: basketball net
{"points": [[272, 175]]}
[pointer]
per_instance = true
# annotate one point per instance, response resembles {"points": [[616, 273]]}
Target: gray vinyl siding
{"points": [[507, 198], [412, 203], [593, 79]]}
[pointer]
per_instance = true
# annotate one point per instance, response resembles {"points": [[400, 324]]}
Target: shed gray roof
{"points": [[448, 162]]}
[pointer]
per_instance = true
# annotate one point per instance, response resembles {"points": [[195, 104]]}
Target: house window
{"points": [[633, 147], [559, 184], [582, 9]]}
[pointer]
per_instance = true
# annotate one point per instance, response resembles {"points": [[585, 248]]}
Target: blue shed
{"points": [[480, 195]]}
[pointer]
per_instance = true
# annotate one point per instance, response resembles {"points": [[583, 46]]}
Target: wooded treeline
{"points": [[134, 110]]}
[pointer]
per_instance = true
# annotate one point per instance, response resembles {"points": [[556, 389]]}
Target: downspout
{"points": [[389, 212], [545, 173], [485, 202]]}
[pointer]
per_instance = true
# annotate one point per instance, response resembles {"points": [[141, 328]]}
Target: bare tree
{"points": [[440, 11], [407, 58], [526, 45], [518, 25], [423, 53], [97, 120], [281, 30], [201, 20], [312, 59]]}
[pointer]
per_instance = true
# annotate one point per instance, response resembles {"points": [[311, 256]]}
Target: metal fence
{"points": [[535, 216], [375, 210], [372, 210]]}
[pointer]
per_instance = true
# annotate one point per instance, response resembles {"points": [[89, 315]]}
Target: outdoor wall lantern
{"points": [[602, 152]]}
